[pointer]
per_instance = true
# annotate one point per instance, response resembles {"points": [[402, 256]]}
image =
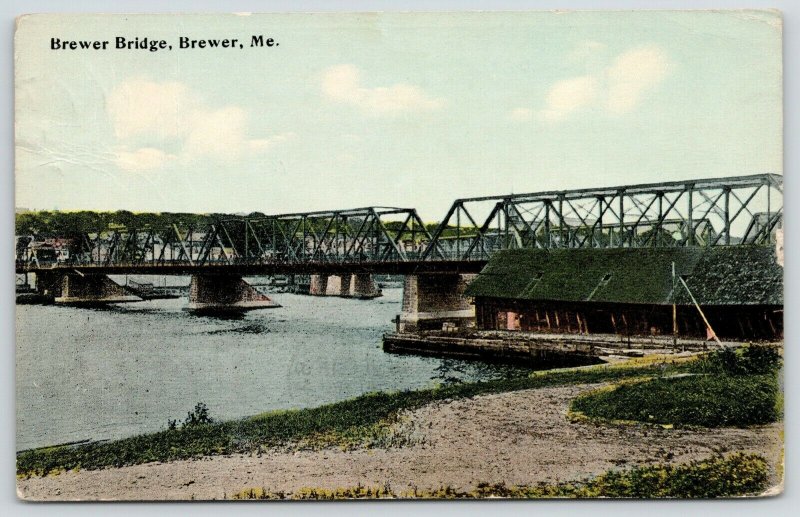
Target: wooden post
{"points": [[705, 320], [674, 312]]}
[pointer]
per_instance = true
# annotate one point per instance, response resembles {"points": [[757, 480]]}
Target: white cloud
{"points": [[632, 75], [617, 88], [140, 106], [150, 116], [521, 114], [142, 159], [342, 83], [569, 95]]}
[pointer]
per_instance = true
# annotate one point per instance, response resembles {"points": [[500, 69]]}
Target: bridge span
{"points": [[353, 244]]}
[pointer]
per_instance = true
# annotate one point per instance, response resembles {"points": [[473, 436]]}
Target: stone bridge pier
{"points": [[433, 300], [360, 285], [225, 292], [77, 288]]}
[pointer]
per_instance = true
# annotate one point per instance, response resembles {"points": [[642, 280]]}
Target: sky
{"points": [[408, 110]]}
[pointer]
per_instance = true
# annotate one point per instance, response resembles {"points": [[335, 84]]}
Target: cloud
{"points": [[142, 159], [150, 117], [342, 83], [632, 75], [616, 89], [568, 96], [140, 106]]}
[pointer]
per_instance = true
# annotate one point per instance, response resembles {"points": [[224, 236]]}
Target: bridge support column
{"points": [[75, 288], [363, 286], [431, 300], [337, 285], [318, 284], [225, 292], [360, 285]]}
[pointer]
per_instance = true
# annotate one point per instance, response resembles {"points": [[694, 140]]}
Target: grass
{"points": [[347, 423], [729, 389], [736, 475], [701, 400]]}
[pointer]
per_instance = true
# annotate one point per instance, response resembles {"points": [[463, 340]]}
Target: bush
{"points": [[703, 400], [752, 359], [761, 359], [199, 416]]}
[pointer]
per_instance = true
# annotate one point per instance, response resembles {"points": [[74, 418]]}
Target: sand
{"points": [[519, 438]]}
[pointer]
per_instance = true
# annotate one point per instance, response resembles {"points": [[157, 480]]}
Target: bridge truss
{"points": [[373, 234], [704, 212], [708, 212]]}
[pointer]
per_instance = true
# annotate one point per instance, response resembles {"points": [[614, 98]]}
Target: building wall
{"points": [[741, 322]]}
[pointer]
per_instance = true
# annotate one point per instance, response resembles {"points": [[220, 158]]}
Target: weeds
{"points": [[736, 475], [200, 416]]}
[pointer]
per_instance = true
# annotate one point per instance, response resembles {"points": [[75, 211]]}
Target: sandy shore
{"points": [[518, 438]]}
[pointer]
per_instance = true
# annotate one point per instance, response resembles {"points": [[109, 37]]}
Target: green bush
{"points": [[752, 359], [761, 359], [199, 416], [703, 400]]}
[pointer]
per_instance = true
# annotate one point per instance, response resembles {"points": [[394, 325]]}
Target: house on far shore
{"points": [[629, 291]]}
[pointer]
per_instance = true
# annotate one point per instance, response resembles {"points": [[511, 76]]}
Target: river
{"points": [[128, 368]]}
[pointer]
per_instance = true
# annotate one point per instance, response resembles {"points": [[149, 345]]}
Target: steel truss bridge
{"points": [[743, 210]]}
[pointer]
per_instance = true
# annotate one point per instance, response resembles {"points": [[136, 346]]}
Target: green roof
{"points": [[724, 275]]}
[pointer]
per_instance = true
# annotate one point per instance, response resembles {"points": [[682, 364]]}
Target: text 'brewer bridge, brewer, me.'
{"points": [[732, 211]]}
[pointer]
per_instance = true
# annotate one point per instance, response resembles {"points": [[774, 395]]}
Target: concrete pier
{"points": [[77, 289], [225, 292], [431, 301], [361, 285], [318, 285]]}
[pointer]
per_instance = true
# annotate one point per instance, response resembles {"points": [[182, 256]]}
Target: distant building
{"points": [[630, 291]]}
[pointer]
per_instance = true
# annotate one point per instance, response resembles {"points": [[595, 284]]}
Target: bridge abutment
{"points": [[76, 288], [221, 292], [432, 300]]}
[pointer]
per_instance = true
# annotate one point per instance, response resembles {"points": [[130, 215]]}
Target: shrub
{"points": [[752, 359], [199, 416], [761, 359]]}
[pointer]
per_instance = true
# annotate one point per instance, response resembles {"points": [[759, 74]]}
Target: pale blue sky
{"points": [[391, 109]]}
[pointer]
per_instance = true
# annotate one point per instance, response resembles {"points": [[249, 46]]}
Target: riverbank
{"points": [[517, 438], [512, 431]]}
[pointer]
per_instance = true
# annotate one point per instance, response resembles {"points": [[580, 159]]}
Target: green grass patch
{"points": [[736, 475], [701, 400], [344, 423]]}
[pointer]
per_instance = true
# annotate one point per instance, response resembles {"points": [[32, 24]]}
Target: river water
{"points": [[129, 368]]}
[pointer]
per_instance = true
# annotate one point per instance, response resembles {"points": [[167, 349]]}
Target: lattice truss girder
{"points": [[374, 234], [725, 211]]}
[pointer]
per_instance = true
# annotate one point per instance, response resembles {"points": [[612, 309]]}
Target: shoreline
{"points": [[458, 443], [510, 432]]}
